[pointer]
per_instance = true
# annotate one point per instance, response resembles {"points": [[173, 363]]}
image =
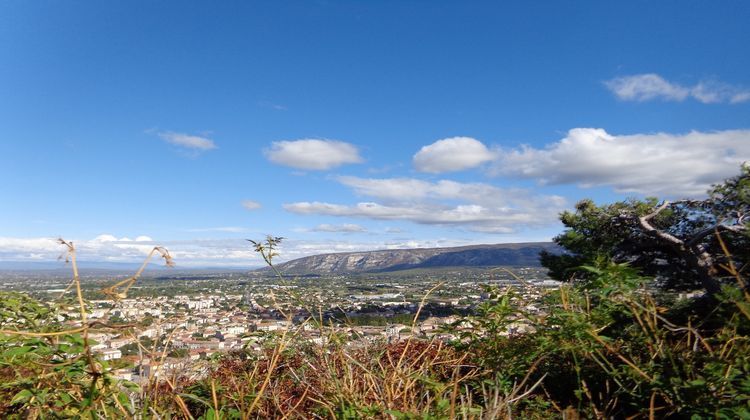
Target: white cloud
{"points": [[388, 188], [251, 205], [474, 206], [213, 252], [713, 91], [107, 248], [194, 253], [411, 189], [111, 238], [291, 249], [105, 238], [452, 154], [660, 164], [644, 87], [207, 252], [104, 247], [740, 97], [31, 248], [345, 228], [187, 141], [313, 154], [650, 86]]}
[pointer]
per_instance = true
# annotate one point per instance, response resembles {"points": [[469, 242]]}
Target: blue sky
{"points": [[353, 125]]}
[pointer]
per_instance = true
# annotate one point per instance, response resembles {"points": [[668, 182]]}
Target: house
{"points": [[111, 354]]}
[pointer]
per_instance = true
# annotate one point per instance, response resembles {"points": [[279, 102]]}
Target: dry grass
{"points": [[83, 376], [293, 378]]}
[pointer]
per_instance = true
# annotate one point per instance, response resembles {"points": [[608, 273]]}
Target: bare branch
{"points": [[715, 228], [644, 221]]}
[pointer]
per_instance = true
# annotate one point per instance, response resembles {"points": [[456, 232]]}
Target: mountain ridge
{"points": [[384, 260]]}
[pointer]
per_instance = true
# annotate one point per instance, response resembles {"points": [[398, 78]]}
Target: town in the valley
{"points": [[170, 323]]}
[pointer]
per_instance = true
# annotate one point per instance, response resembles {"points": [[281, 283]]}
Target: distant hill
{"points": [[100, 267], [517, 254]]}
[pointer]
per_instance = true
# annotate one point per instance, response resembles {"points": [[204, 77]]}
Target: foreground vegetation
{"points": [[620, 339]]}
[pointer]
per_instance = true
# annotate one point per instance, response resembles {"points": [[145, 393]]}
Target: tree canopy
{"points": [[683, 244]]}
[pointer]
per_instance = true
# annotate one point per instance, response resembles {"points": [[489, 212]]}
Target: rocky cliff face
{"points": [[521, 254]]}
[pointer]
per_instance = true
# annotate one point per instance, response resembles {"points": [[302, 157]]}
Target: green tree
{"points": [[132, 349], [683, 244]]}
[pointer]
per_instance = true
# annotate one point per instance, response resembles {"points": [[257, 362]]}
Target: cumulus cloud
{"points": [[474, 206], [104, 247], [187, 141], [452, 154], [197, 253], [651, 86], [29, 248], [683, 165], [291, 249], [111, 238], [251, 205], [313, 154], [411, 189], [110, 249], [345, 228], [106, 238]]}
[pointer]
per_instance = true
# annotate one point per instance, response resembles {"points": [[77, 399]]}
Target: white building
{"points": [[111, 354]]}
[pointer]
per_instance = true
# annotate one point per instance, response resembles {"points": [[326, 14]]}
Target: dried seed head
{"points": [[168, 261], [70, 249]]}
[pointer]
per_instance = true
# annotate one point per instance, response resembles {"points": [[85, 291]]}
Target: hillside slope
{"points": [[517, 254]]}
